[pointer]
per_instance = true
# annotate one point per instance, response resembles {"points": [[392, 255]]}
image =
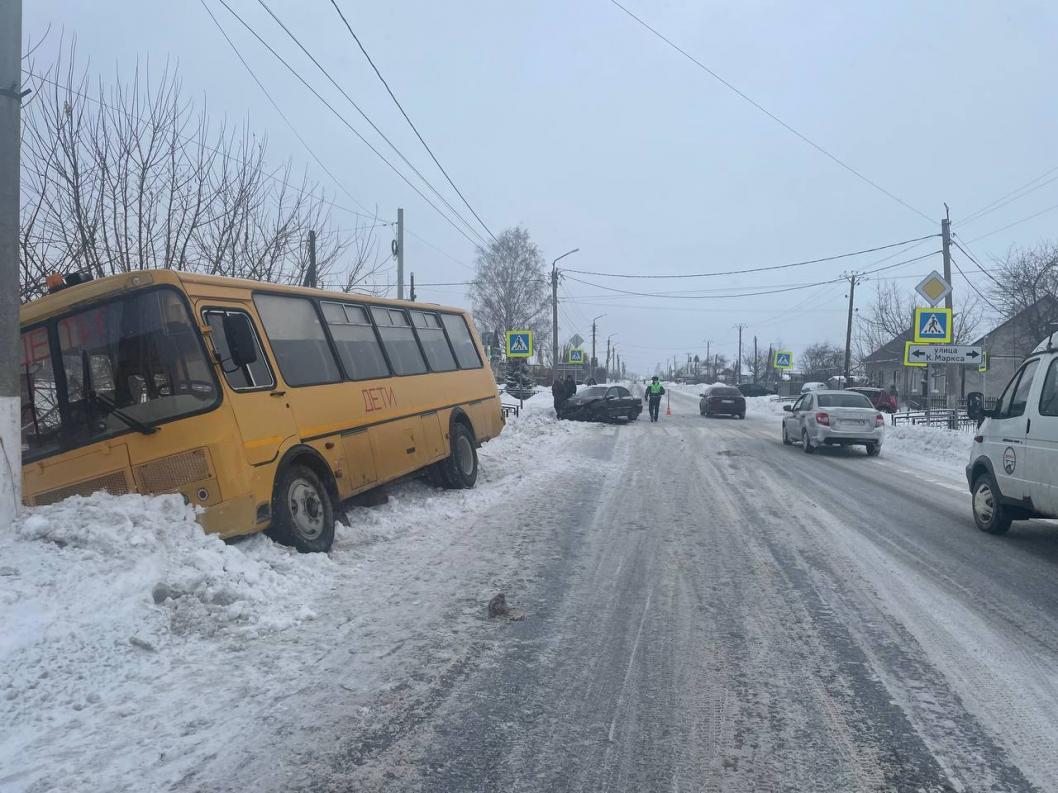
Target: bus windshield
{"points": [[129, 364]]}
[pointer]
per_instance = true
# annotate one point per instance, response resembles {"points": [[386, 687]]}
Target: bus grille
{"points": [[114, 483], [171, 473]]}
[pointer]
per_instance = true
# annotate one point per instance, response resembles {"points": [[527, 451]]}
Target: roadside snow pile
{"points": [[951, 448]]}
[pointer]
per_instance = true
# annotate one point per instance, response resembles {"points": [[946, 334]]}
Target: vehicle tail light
{"points": [[823, 418], [879, 420]]}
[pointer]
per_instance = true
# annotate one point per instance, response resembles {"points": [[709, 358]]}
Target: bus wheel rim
{"points": [[306, 509], [984, 505], [465, 455]]}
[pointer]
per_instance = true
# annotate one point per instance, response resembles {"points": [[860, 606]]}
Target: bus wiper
{"points": [[92, 396]]}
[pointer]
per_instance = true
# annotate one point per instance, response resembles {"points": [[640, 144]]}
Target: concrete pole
{"points": [[848, 327], [10, 124], [950, 371], [400, 254]]}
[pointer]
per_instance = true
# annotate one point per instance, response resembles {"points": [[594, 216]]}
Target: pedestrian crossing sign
{"points": [[783, 359], [519, 344], [932, 325], [576, 356]]}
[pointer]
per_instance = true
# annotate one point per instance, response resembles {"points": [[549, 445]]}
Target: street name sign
{"points": [[932, 325], [944, 353], [908, 360], [519, 344], [934, 288]]}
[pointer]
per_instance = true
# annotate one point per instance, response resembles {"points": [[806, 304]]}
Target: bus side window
{"points": [[399, 340], [432, 337], [462, 342], [298, 341], [243, 378], [354, 337]]}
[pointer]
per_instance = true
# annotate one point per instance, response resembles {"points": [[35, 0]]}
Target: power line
{"points": [[974, 259], [1016, 223], [1013, 195], [769, 114], [410, 123], [973, 286], [364, 115], [792, 288], [344, 120], [757, 269]]}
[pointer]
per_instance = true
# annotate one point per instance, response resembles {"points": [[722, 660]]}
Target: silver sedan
{"points": [[833, 418]]}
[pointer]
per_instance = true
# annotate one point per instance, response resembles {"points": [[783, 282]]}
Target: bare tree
{"points": [[509, 290], [1025, 278], [132, 176], [822, 360]]}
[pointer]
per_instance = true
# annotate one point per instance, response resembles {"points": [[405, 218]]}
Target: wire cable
{"points": [[411, 124], [757, 269], [776, 291], [1013, 195], [771, 115], [1016, 223], [973, 286], [344, 120], [974, 259], [364, 115]]}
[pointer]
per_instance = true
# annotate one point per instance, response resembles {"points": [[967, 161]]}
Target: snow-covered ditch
{"points": [[136, 650]]}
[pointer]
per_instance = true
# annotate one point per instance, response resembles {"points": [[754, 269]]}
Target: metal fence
{"points": [[946, 418]]}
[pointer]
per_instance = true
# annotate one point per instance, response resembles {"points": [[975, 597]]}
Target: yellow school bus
{"points": [[264, 405]]}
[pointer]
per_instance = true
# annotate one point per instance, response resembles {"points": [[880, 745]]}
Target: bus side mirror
{"points": [[242, 346], [975, 406]]}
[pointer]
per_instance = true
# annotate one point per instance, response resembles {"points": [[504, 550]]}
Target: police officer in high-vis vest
{"points": [[653, 397]]}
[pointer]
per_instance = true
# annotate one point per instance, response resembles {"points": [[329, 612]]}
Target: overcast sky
{"points": [[572, 120]]}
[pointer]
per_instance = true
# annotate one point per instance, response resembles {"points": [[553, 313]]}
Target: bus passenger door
{"points": [[261, 411]]}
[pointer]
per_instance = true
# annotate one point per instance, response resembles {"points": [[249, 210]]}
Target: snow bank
{"points": [[134, 645]]}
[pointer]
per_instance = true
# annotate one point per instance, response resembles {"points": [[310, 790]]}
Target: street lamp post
{"points": [[594, 362], [608, 356], [554, 311]]}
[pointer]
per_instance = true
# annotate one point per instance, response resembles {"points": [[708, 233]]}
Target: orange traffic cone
{"points": [[668, 404]]}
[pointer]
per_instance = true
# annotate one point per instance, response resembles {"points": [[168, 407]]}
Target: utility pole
{"points": [[10, 128], [310, 273], [411, 295], [755, 360], [950, 369], [709, 360], [848, 328], [594, 360], [400, 253], [554, 311], [607, 360], [738, 363]]}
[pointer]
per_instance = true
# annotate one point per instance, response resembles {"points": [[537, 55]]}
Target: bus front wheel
{"points": [[303, 514], [461, 468]]}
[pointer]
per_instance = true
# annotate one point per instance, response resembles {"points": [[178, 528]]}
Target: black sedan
{"points": [[722, 400], [601, 403]]}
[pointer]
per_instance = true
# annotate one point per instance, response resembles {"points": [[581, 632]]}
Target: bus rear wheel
{"points": [[461, 468], [302, 513]]}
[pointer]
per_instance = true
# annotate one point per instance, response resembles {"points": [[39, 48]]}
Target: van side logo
{"points": [[379, 398], [1010, 460]]}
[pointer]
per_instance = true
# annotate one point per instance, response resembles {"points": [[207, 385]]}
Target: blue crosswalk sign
{"points": [[783, 359], [519, 344], [933, 325]]}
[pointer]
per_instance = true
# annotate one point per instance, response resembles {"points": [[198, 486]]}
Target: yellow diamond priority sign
{"points": [[934, 288]]}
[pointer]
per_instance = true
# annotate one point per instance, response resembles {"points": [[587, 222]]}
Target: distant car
{"points": [[602, 403], [722, 400], [755, 390], [880, 398], [833, 418], [813, 387]]}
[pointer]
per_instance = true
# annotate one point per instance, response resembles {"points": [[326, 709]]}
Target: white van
{"points": [[1013, 468]]}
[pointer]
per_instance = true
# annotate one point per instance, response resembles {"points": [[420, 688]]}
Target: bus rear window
{"points": [[462, 342], [41, 422], [298, 341]]}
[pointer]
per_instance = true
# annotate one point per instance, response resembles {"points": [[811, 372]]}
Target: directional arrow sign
{"points": [[943, 353]]}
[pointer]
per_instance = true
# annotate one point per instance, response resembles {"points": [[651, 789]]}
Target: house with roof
{"points": [[1005, 347]]}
